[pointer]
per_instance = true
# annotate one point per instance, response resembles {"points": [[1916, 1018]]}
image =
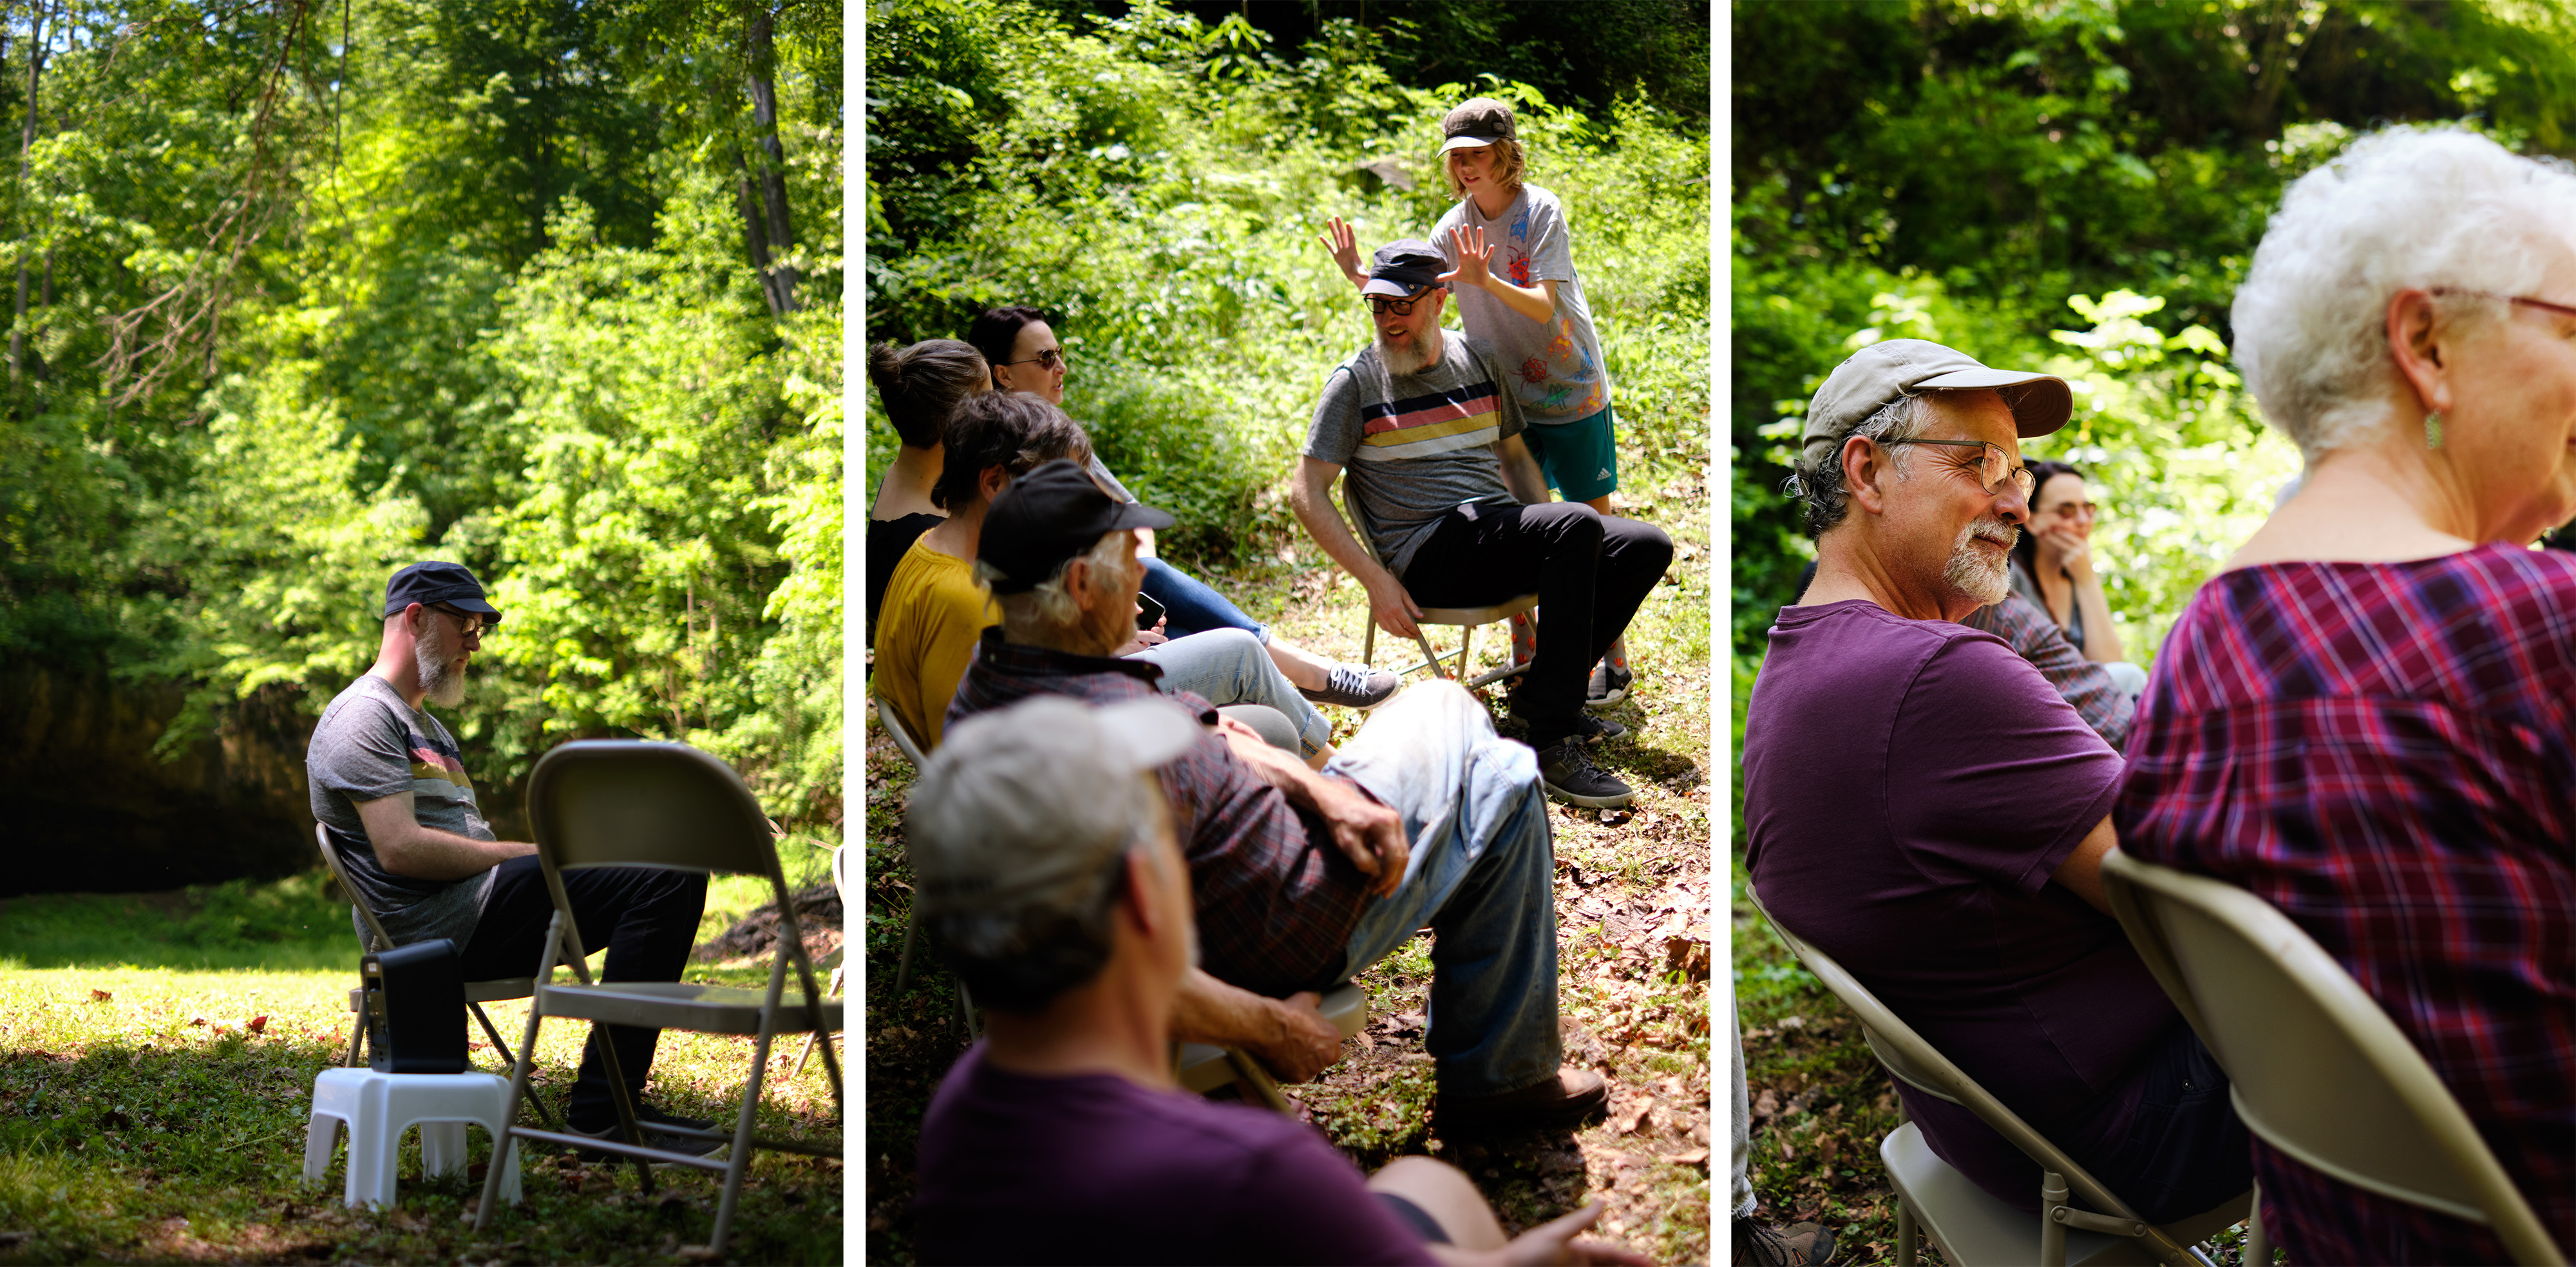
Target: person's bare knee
{"points": [[1446, 1194]]}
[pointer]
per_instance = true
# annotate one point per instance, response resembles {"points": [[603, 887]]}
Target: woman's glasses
{"points": [[1994, 470], [1050, 359]]}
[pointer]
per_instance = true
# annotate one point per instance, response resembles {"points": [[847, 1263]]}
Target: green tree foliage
{"points": [[2077, 186], [549, 289], [1157, 182]]}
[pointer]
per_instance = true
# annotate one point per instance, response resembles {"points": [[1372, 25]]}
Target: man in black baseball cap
{"points": [[1053, 514], [389, 787]]}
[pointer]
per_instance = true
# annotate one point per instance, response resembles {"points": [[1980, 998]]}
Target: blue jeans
{"points": [[1189, 606], [1482, 875], [1228, 667]]}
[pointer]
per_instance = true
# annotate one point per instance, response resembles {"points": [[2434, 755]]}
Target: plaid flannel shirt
{"points": [[2036, 638], [2387, 753], [1276, 898]]}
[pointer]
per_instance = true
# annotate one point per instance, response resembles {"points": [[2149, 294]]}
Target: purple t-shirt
{"points": [[1095, 1169], [1908, 787]]}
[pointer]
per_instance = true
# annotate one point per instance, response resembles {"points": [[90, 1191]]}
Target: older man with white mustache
{"points": [[1921, 804]]}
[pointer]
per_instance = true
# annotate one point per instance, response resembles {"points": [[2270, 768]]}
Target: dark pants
{"points": [[1590, 571], [2182, 1150], [647, 918]]}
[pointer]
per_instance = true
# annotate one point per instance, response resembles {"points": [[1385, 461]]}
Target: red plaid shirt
{"points": [[1276, 897], [2387, 753]]}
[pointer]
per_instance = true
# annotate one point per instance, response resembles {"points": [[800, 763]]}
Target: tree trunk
{"points": [[755, 237], [26, 143], [773, 174]]}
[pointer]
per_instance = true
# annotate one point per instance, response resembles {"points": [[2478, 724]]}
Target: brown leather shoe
{"points": [[1571, 1098]]}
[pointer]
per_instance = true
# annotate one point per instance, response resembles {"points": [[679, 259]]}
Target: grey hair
{"points": [[2404, 208], [1903, 418], [1051, 606]]}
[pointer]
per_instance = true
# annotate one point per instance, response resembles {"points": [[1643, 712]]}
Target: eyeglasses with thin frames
{"points": [[470, 623], [2525, 300], [1994, 470], [1049, 359]]}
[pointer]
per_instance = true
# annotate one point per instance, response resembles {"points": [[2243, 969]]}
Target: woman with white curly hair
{"points": [[2368, 718]]}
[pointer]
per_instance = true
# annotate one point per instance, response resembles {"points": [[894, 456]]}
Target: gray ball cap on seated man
{"points": [[1894, 368]]}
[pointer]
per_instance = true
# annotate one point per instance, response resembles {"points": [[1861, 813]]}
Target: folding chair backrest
{"points": [[903, 740], [616, 802], [2317, 1068], [376, 939], [1922, 1066]]}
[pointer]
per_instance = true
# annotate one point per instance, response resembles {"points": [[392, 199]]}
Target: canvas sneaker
{"points": [[1568, 772], [1355, 686], [1609, 685]]}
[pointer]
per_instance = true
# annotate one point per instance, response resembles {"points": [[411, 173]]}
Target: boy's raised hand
{"points": [[1342, 240], [1473, 253]]}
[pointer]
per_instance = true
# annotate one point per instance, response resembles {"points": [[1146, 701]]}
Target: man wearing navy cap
{"points": [[1457, 513], [388, 783]]}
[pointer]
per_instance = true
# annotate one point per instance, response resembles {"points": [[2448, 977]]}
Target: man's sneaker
{"points": [[648, 1118], [1609, 685], [1797, 1245], [1567, 770], [1571, 1098], [1354, 686], [1592, 729]]}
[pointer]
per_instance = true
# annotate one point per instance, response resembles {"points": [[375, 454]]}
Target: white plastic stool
{"points": [[379, 1107]]}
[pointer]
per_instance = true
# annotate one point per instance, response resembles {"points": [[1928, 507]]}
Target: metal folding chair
{"points": [[1466, 618], [2314, 1065], [1968, 1223], [841, 969], [477, 993], [597, 803]]}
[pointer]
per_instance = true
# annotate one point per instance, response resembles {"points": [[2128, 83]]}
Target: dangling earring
{"points": [[2433, 429]]}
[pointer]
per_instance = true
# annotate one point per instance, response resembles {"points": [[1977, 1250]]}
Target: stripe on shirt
{"points": [[1438, 422]]}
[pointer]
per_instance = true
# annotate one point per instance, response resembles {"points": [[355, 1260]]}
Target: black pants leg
{"points": [[1591, 572], [647, 918]]}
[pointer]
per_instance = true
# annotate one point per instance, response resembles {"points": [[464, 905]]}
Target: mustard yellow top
{"points": [[926, 631]]}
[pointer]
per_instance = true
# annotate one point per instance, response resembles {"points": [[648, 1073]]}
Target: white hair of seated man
{"points": [[2407, 208]]}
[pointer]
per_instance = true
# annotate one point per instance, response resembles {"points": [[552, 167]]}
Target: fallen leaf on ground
{"points": [[1695, 1157], [256, 1024], [95, 996], [1629, 1119]]}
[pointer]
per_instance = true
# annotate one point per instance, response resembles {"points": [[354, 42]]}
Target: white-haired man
{"points": [[1046, 869], [389, 784], [1923, 806], [1304, 877]]}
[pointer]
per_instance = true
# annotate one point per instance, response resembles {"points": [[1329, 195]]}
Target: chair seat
{"points": [[1478, 615], [500, 990], [1973, 1228], [714, 1009]]}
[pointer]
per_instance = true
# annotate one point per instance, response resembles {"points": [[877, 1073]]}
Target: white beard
{"points": [[1969, 570], [1412, 356], [439, 683]]}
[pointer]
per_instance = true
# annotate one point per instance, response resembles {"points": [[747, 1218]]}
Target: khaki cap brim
{"points": [[1888, 370]]}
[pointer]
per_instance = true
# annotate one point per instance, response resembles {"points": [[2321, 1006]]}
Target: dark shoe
{"points": [[1592, 729], [1797, 1245], [1571, 1098], [1354, 686], [648, 1118], [1609, 686], [1568, 772]]}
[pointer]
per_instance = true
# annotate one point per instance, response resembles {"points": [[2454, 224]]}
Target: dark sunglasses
{"points": [[1052, 358], [469, 622]]}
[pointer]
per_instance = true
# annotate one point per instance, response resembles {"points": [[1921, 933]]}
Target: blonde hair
{"points": [[1509, 165]]}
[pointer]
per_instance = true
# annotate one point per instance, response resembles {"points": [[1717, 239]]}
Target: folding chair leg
{"points": [[1429, 656], [808, 1049], [536, 1102], [627, 1124], [2052, 1234], [2258, 1244], [903, 975], [1257, 1080], [520, 1068], [1904, 1234]]}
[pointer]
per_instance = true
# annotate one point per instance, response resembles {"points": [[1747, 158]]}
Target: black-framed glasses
{"points": [[1050, 359], [1380, 305], [1994, 470], [471, 623]]}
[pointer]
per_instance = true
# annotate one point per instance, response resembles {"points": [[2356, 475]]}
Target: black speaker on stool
{"points": [[415, 1008]]}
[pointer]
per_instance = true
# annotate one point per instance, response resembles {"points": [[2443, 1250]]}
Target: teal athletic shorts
{"points": [[1579, 457]]}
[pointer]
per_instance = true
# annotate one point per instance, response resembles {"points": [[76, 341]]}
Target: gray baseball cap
{"points": [[1891, 368], [1023, 808], [1476, 121]]}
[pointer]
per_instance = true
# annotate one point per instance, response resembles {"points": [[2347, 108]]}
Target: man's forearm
{"points": [[427, 853], [1210, 1011]]}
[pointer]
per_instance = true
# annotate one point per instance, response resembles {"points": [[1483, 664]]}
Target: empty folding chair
{"points": [[601, 803], [2315, 1067], [1968, 1223]]}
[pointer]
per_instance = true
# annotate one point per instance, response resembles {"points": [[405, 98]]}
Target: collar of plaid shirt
{"points": [[1276, 898]]}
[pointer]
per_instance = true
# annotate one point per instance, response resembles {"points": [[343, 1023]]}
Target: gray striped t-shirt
{"points": [[372, 744]]}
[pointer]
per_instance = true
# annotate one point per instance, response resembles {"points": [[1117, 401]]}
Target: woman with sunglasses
{"points": [[2367, 718], [2053, 568], [1025, 357]]}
